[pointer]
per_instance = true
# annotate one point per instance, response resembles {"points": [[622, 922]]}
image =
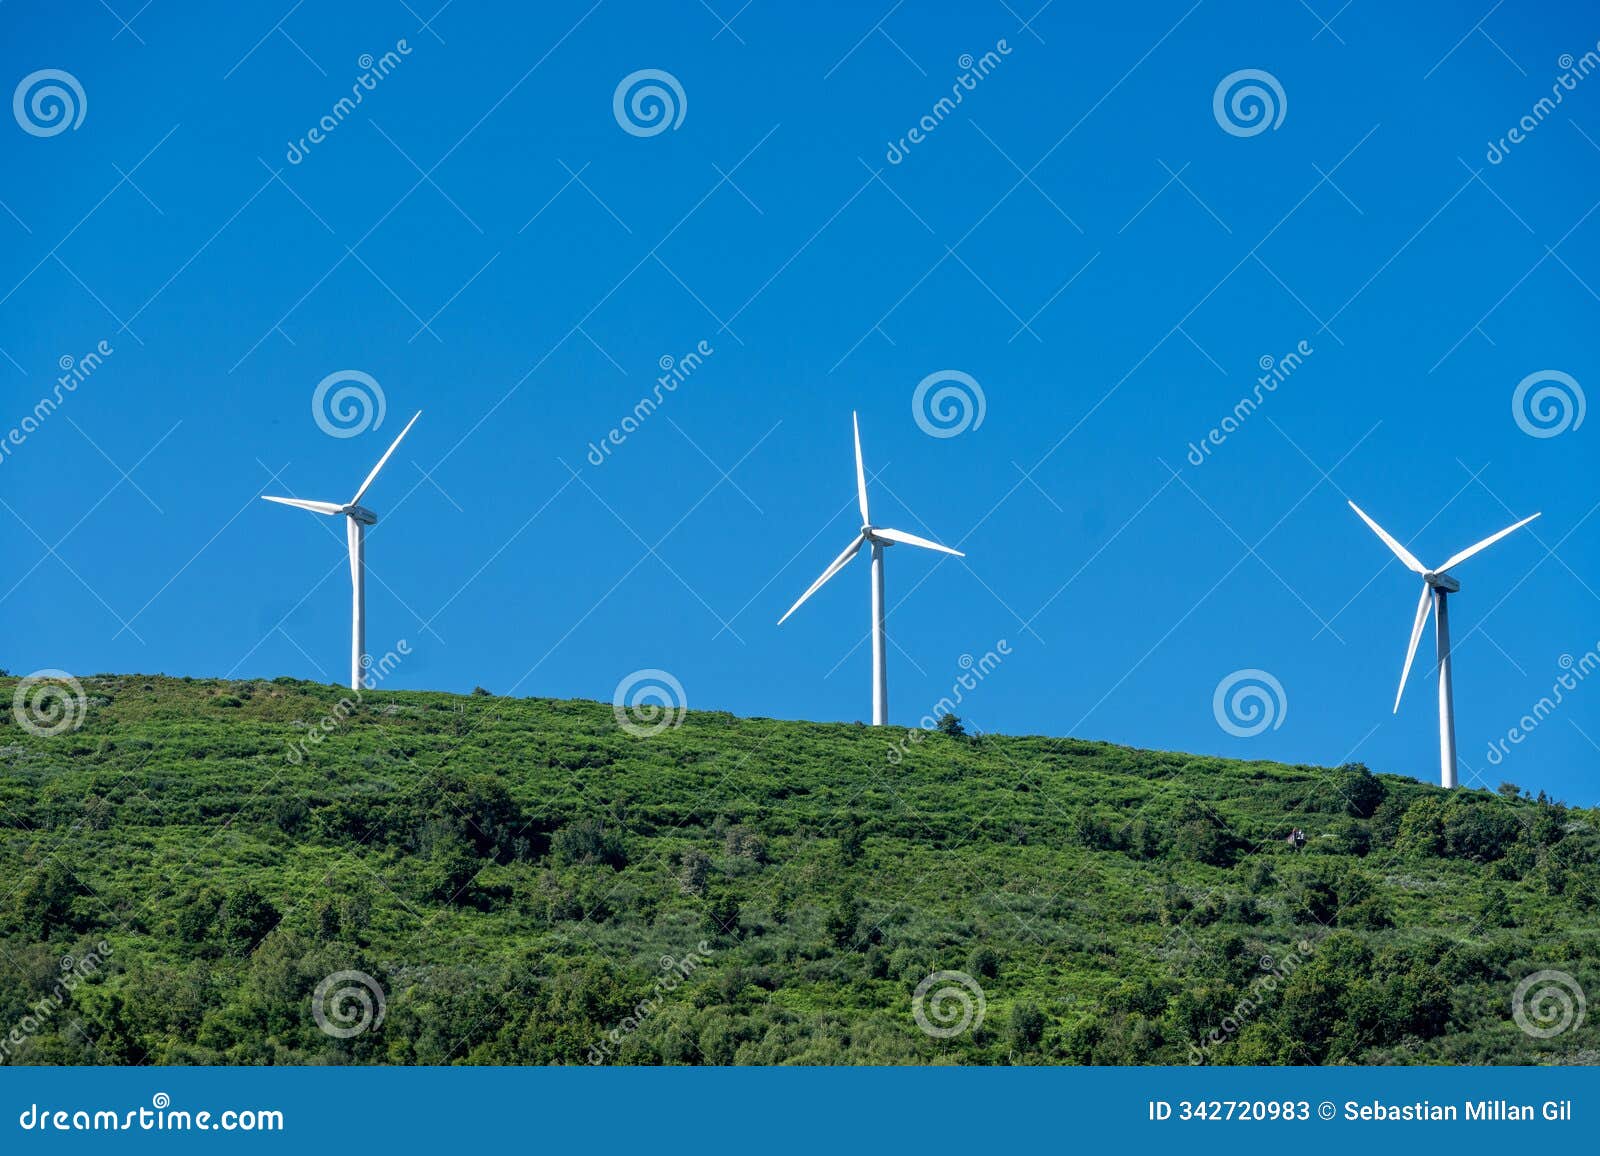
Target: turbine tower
{"points": [[357, 519], [879, 538], [1437, 585]]}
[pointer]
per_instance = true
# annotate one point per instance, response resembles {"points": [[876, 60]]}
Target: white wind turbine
{"points": [[358, 518], [1437, 585], [879, 538]]}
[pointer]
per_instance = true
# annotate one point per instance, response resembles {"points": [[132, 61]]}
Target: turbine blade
{"points": [[1456, 559], [1416, 636], [913, 540], [861, 474], [837, 565], [305, 504], [1400, 551], [383, 461]]}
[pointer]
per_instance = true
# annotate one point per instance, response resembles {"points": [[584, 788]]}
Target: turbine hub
{"points": [[1441, 582], [361, 514]]}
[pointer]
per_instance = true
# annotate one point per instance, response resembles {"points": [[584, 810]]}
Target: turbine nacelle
{"points": [[1441, 582], [361, 514]]}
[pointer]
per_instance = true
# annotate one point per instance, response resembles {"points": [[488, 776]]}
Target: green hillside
{"points": [[527, 882]]}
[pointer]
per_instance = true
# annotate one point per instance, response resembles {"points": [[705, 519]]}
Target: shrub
{"points": [[1027, 1026], [722, 915], [743, 843], [1361, 791], [843, 920], [247, 917], [983, 963], [587, 841]]}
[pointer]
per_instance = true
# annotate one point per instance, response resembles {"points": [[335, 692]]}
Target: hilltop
{"points": [[526, 881]]}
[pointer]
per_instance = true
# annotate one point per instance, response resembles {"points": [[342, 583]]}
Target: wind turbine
{"points": [[879, 538], [358, 518], [1437, 585]]}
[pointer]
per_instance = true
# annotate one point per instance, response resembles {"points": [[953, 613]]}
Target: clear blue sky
{"points": [[1080, 235]]}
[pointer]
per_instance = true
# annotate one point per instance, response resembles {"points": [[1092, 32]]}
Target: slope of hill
{"points": [[251, 872]]}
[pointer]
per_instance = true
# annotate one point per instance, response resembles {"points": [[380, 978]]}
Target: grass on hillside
{"points": [[525, 881]]}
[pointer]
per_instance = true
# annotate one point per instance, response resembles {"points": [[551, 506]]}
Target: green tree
{"points": [[247, 917], [1360, 789], [44, 904], [1026, 1028], [722, 914], [843, 921], [983, 963]]}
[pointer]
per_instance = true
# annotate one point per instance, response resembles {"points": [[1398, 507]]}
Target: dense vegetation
{"points": [[511, 873]]}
